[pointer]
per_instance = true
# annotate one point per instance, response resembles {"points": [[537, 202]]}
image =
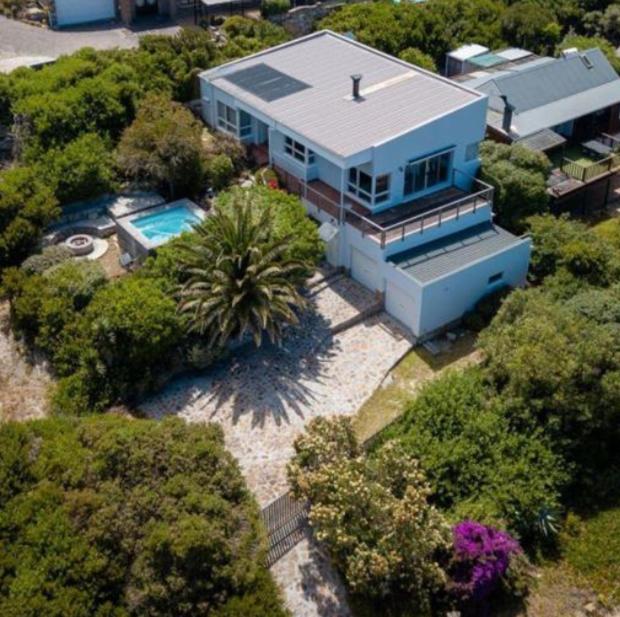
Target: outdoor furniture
{"points": [[596, 147]]}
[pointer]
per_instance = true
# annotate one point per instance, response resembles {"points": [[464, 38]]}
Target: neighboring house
{"points": [[567, 107], [384, 154], [76, 12]]}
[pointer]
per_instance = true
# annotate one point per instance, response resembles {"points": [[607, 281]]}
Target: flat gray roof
{"points": [[440, 257], [396, 96]]}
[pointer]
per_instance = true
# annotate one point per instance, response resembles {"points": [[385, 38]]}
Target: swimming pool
{"points": [[142, 232], [161, 226]]}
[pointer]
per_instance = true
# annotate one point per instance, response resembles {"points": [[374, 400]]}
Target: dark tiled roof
{"points": [[448, 254]]}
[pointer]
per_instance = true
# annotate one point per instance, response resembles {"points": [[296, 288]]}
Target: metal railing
{"points": [[481, 194]]}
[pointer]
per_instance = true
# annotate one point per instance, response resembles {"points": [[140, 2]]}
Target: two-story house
{"points": [[386, 154]]}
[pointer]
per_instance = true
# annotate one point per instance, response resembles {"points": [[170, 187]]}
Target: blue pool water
{"points": [[163, 225]]}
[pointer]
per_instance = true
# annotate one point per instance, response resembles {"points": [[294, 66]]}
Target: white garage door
{"points": [[400, 304], [70, 12], [365, 270]]}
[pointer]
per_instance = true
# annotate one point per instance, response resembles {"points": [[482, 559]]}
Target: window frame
{"points": [[298, 151], [366, 190], [418, 171], [224, 121], [495, 278]]}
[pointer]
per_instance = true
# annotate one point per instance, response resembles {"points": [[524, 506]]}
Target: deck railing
{"points": [[587, 173], [397, 232], [481, 194]]}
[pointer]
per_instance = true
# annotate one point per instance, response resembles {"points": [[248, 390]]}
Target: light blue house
{"points": [[385, 153]]}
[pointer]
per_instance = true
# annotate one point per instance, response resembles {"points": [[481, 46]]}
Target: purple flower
{"points": [[481, 556]]}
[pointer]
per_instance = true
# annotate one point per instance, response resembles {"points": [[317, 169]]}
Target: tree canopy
{"points": [[115, 517]]}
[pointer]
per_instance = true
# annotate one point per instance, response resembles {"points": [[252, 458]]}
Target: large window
{"points": [[226, 118], [245, 124], [425, 173], [298, 151], [368, 189]]}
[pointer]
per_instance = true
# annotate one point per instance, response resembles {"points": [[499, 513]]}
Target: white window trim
{"points": [[223, 122], [293, 147], [365, 196], [424, 159]]}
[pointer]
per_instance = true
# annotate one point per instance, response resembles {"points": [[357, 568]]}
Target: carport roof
{"points": [[451, 253]]}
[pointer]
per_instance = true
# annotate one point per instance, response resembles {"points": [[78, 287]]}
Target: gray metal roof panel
{"points": [[451, 253], [537, 85], [396, 96], [558, 112]]}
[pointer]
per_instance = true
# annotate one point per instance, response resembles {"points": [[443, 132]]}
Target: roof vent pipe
{"points": [[507, 117], [357, 78]]}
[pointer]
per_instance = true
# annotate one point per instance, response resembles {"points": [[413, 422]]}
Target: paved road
{"points": [[19, 39]]}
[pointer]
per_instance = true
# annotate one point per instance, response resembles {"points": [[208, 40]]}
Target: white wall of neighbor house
{"points": [[447, 299]]}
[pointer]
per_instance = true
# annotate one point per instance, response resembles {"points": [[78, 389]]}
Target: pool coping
{"points": [[126, 222]]}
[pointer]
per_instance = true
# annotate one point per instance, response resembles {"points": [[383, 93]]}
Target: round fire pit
{"points": [[80, 244]]}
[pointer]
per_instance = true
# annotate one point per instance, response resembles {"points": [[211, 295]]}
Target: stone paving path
{"points": [[263, 399]]}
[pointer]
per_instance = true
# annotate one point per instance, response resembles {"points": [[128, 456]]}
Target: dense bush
{"points": [[481, 557], [48, 257], [478, 467], [531, 26], [79, 171], [247, 36], [561, 244], [418, 58], [275, 7], [519, 177], [220, 171], [163, 148], [109, 516], [289, 219], [122, 346], [558, 371], [371, 513], [42, 305], [27, 206]]}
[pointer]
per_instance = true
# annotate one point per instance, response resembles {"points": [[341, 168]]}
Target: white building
{"points": [[386, 153]]}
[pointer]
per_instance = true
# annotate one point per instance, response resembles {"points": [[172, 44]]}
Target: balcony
{"points": [[398, 222]]}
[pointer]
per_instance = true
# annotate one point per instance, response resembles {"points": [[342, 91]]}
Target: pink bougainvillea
{"points": [[481, 556]]}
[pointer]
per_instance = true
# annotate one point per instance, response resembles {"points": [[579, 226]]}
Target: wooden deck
{"points": [[396, 222]]}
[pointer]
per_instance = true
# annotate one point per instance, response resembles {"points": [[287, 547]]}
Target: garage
{"points": [[72, 12], [365, 270], [400, 304]]}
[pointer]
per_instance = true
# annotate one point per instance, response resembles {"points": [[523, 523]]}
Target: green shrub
{"points": [[289, 219], [84, 168], [220, 171], [48, 257], [486, 308], [371, 513], [275, 7], [418, 58], [478, 467], [122, 517], [519, 177], [128, 338]]}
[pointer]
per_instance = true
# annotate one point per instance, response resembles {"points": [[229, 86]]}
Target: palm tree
{"points": [[238, 278]]}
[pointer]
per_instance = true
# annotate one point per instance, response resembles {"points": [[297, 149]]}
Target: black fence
{"points": [[286, 520]]}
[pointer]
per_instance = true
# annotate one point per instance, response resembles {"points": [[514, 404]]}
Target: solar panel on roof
{"points": [[266, 82]]}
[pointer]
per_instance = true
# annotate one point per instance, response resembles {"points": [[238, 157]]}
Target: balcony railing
{"points": [[452, 209], [586, 173], [328, 199]]}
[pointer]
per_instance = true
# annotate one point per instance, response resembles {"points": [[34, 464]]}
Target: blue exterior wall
{"points": [[446, 299]]}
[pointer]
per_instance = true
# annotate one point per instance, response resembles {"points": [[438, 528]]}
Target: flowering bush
{"points": [[481, 557], [372, 514]]}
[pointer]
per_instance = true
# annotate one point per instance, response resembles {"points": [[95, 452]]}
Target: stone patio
{"points": [[263, 398]]}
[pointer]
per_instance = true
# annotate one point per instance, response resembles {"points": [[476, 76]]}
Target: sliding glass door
{"points": [[423, 174]]}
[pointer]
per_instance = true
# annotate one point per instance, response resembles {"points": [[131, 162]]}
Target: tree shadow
{"points": [[320, 582], [274, 381]]}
